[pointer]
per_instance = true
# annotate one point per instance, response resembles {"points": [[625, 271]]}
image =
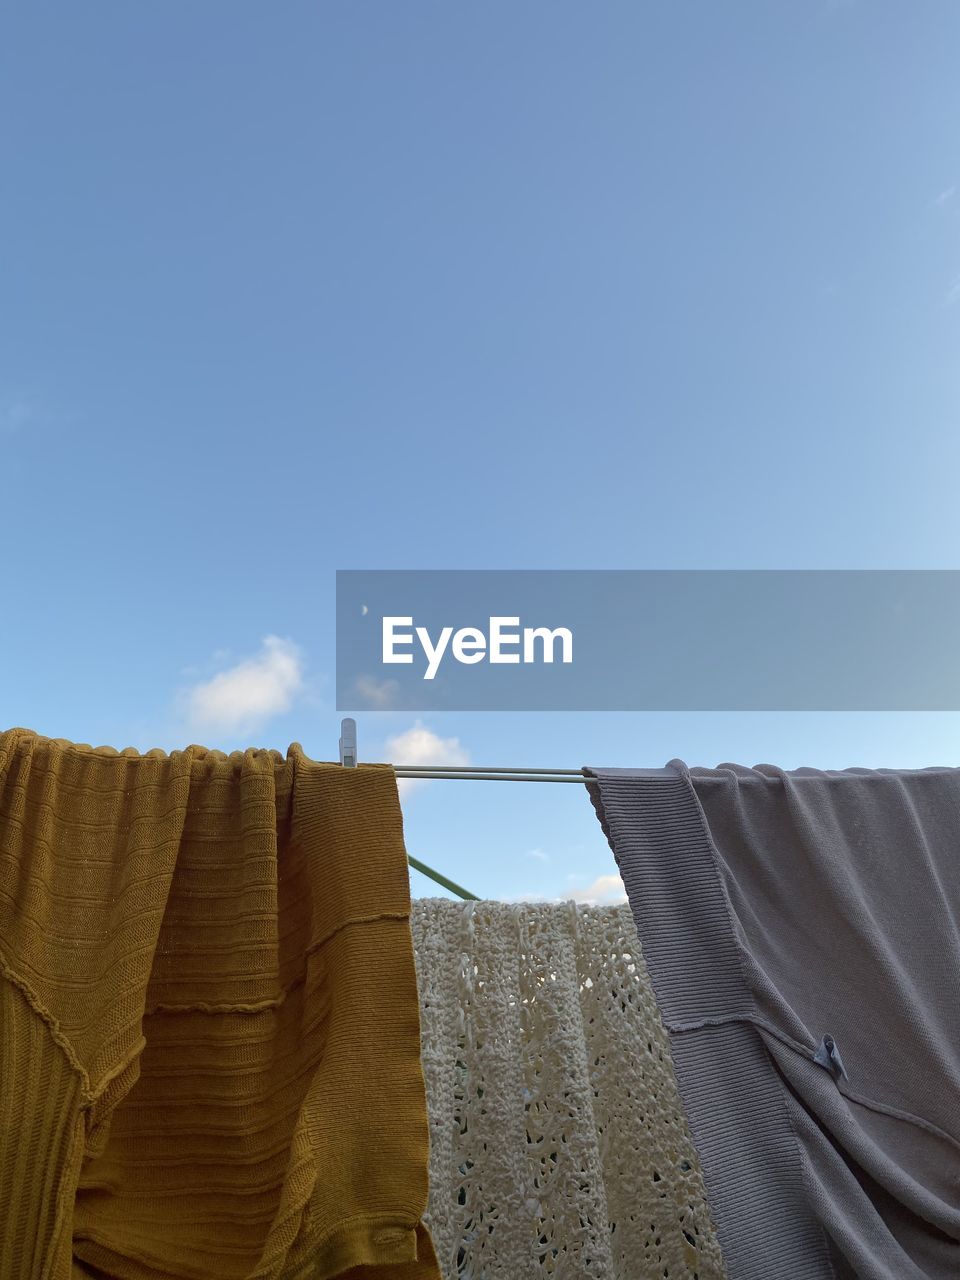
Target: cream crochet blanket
{"points": [[559, 1147]]}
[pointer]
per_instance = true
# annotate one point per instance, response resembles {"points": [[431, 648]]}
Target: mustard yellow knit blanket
{"points": [[209, 1026]]}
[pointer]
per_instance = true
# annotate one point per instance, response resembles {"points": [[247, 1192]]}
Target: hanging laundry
{"points": [[559, 1148], [209, 1040], [801, 931]]}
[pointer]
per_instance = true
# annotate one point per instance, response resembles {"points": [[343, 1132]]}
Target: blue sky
{"points": [[292, 288]]}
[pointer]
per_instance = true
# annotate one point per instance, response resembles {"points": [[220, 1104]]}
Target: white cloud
{"points": [[250, 692], [421, 745], [953, 294], [946, 195], [605, 889], [538, 854]]}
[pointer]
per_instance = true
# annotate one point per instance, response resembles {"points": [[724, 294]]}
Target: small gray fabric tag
{"points": [[828, 1055]]}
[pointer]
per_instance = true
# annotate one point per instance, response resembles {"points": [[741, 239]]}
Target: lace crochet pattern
{"points": [[559, 1147]]}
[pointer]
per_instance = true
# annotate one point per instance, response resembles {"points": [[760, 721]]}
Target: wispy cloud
{"points": [[249, 693], [421, 745], [378, 695], [945, 196], [953, 294], [16, 414], [539, 854]]}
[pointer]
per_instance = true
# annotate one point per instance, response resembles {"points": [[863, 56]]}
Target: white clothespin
{"points": [[348, 743]]}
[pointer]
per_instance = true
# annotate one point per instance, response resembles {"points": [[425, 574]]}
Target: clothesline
{"points": [[492, 773], [463, 773], [442, 879], [478, 774], [472, 773], [499, 773]]}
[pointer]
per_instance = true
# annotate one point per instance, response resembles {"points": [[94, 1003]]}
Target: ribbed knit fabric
{"points": [[801, 932], [209, 1027]]}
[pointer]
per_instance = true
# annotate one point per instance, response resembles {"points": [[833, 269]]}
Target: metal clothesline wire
{"points": [[491, 773], [463, 773]]}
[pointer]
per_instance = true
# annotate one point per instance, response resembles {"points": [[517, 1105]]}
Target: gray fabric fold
{"points": [[801, 933]]}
